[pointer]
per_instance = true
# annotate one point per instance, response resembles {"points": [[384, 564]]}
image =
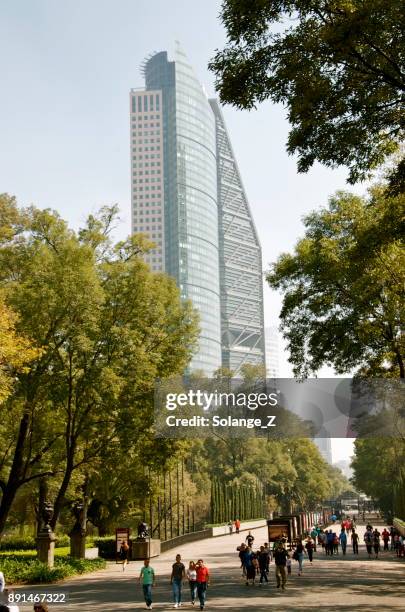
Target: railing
{"points": [[210, 532]]}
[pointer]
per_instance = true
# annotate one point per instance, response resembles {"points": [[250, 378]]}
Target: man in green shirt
{"points": [[147, 576]]}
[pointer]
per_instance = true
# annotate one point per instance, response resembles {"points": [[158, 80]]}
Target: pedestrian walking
{"points": [[368, 540], [299, 556], [329, 542], [242, 550], [192, 581], [322, 539], [148, 578], [288, 566], [249, 566], [263, 558], [386, 538], [310, 549], [2, 582], [343, 540], [376, 542], [203, 580], [176, 580], [335, 544], [355, 542], [237, 525], [268, 550], [280, 559], [249, 539], [230, 527], [124, 554], [314, 536], [392, 535]]}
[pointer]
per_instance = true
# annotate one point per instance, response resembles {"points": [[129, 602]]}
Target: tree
{"points": [[16, 351], [344, 287], [378, 466], [337, 66], [107, 327]]}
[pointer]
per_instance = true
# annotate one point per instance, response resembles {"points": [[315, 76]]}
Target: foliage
{"points": [[19, 570], [229, 501], [344, 287], [106, 547], [287, 471], [385, 479], [108, 327], [14, 543], [16, 350], [337, 66]]}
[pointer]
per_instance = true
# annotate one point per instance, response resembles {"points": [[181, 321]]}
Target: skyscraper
{"points": [[180, 198], [240, 261]]}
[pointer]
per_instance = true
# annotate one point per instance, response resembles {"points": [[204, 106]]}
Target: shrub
{"points": [[106, 547], [29, 543], [18, 570]]}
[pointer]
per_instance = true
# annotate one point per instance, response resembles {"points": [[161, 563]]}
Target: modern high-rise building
{"points": [[240, 261], [187, 196]]}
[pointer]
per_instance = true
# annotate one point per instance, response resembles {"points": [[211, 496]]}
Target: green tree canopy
{"points": [[338, 68], [379, 471], [344, 287], [107, 327]]}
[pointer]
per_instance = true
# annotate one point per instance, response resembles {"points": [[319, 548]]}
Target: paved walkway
{"points": [[331, 583]]}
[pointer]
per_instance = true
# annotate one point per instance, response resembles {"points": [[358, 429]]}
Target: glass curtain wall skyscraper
{"points": [[241, 276], [176, 193]]}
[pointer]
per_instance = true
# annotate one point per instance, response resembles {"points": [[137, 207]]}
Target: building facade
{"points": [[240, 261], [272, 352], [180, 198]]}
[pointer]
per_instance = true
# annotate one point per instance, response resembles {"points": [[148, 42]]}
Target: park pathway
{"points": [[331, 583]]}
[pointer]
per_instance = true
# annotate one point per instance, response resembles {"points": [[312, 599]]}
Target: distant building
{"points": [[325, 448], [187, 195], [272, 352]]}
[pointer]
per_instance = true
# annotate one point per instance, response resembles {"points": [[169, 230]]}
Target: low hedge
{"points": [[29, 543], [32, 553], [106, 547], [22, 570]]}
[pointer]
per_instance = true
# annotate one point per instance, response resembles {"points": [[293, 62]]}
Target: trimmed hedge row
{"points": [[106, 547], [29, 543], [21, 570]]}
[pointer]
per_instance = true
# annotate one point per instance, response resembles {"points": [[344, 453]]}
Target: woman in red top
{"points": [[203, 578]]}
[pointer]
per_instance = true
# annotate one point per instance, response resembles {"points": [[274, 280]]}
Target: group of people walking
{"points": [[197, 575], [256, 564]]}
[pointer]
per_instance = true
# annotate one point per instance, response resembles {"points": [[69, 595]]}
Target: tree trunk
{"points": [[15, 478], [60, 498]]}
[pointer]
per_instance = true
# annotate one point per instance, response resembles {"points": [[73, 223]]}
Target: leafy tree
{"points": [[16, 351], [107, 327], [378, 465], [337, 66], [344, 287]]}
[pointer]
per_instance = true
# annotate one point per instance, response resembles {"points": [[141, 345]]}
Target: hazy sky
{"points": [[66, 70]]}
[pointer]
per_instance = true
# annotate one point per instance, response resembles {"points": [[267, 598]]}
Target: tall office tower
{"points": [[187, 195], [240, 262], [272, 352], [174, 189]]}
